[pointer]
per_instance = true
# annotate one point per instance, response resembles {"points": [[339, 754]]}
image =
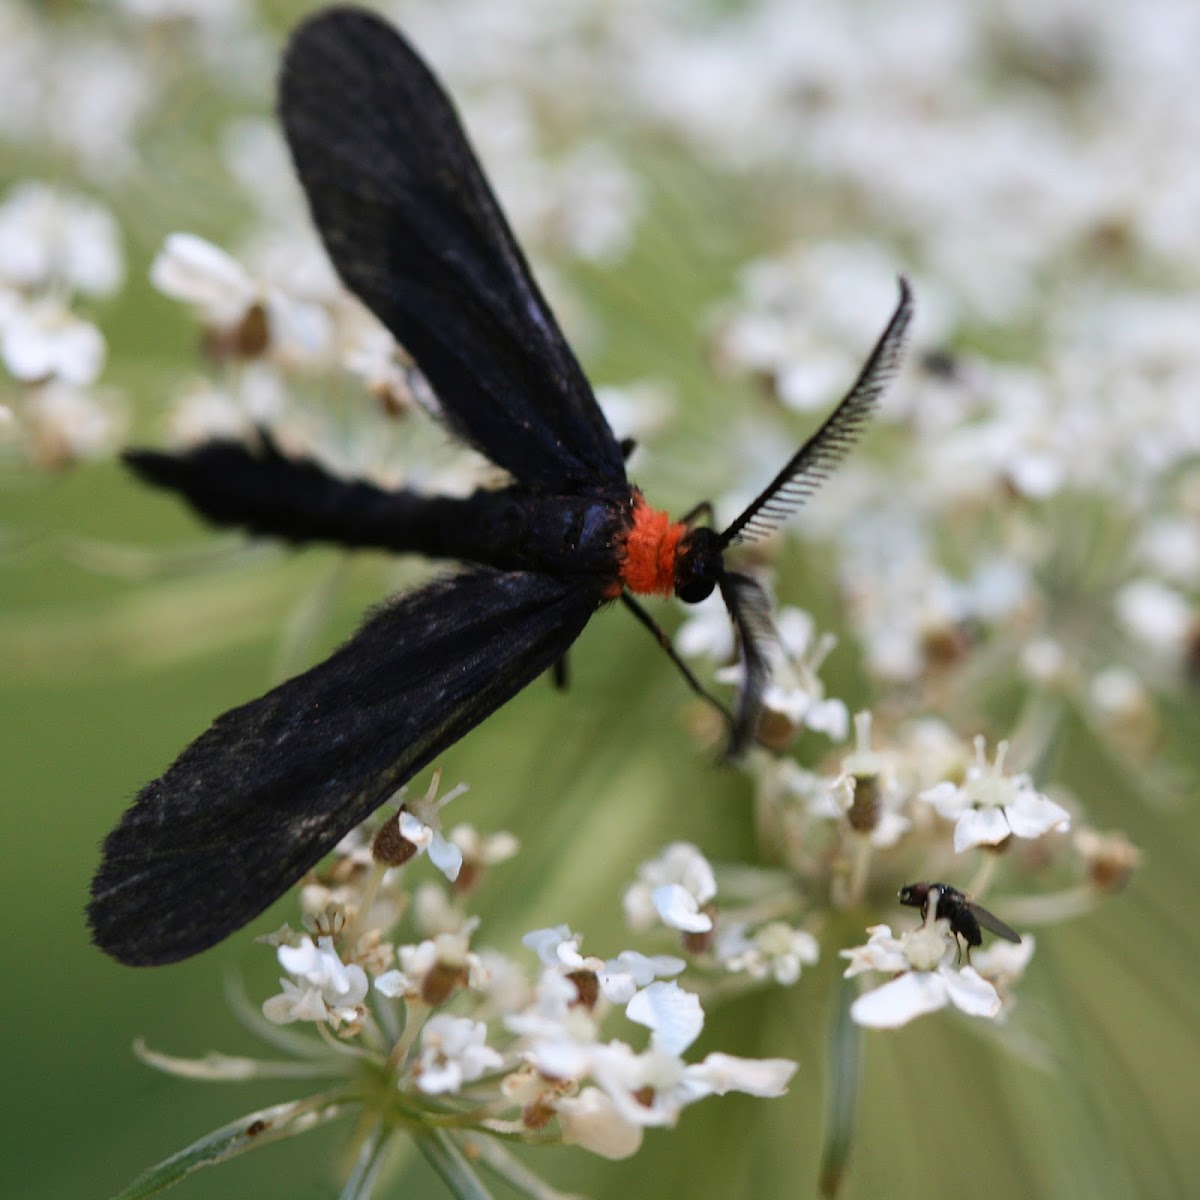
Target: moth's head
{"points": [[699, 564]]}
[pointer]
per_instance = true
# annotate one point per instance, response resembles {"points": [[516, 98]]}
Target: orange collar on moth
{"points": [[651, 548]]}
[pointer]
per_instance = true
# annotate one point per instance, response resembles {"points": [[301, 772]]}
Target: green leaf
{"points": [[255, 1129], [232, 1068]]}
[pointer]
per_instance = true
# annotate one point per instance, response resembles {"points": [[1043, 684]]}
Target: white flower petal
{"points": [[295, 1004], [1004, 961], [947, 800], [796, 629], [679, 909], [793, 702], [45, 341], [900, 1000], [629, 1079], [830, 717], [638, 904], [298, 960], [970, 992], [278, 1010], [352, 987], [882, 952], [1154, 613], [414, 830], [891, 828], [688, 866], [754, 1076], [446, 856], [561, 1058], [193, 270], [643, 969], [1034, 814], [300, 331], [545, 942], [440, 1077], [592, 1121], [454, 1051], [618, 987], [980, 827], [680, 865], [673, 1015], [392, 983]]}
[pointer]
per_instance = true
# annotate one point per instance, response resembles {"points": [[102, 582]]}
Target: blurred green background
{"points": [[103, 679]]}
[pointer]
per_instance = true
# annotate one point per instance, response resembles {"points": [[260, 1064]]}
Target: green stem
{"points": [[982, 880], [1050, 908], [861, 871], [367, 1165], [778, 909], [511, 1169], [445, 1156], [845, 1077], [1036, 733], [354, 927], [418, 1010]]}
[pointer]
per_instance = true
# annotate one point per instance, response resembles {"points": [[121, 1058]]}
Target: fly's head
{"points": [[914, 894]]}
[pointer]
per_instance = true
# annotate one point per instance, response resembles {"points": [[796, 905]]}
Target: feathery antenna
{"points": [[814, 462]]}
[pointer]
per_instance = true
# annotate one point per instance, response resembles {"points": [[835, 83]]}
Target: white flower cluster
{"points": [[989, 806], [678, 890], [475, 1027], [277, 326], [481, 1044], [322, 988], [56, 247], [885, 804], [925, 976], [917, 805]]}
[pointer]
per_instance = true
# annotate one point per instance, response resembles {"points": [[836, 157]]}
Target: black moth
{"points": [[414, 231], [965, 916]]}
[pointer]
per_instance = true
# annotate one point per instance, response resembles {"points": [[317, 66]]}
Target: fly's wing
{"points": [[992, 922], [414, 231], [260, 797]]}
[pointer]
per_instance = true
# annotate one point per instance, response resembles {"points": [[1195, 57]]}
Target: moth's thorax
{"points": [[515, 529], [651, 550]]}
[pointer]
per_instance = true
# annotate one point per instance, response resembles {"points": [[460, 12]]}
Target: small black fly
{"points": [[413, 229], [965, 916]]}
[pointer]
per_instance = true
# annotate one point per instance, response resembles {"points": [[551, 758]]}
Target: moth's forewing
{"points": [[273, 785], [414, 231]]}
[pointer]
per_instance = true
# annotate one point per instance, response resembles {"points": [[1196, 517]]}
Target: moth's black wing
{"points": [[256, 800], [415, 232], [992, 922]]}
